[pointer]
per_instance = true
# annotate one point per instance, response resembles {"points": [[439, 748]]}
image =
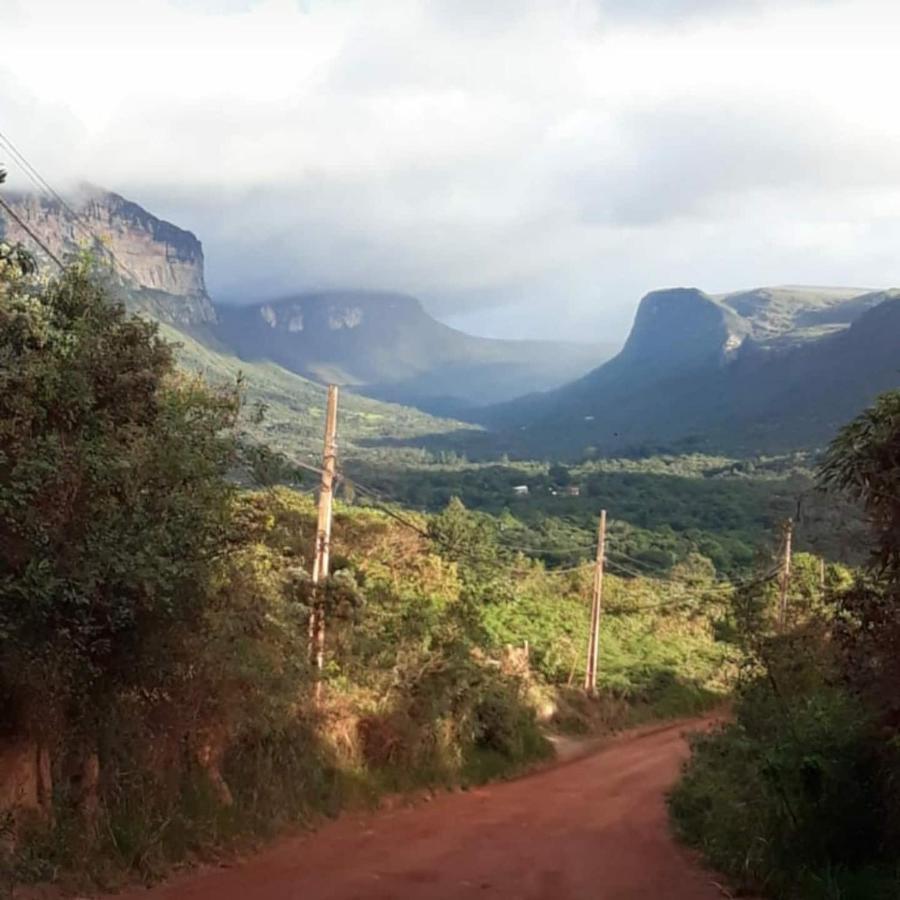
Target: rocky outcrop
{"points": [[769, 370], [683, 327], [161, 265]]}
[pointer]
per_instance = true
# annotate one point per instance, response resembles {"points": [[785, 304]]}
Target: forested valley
{"points": [[160, 705]]}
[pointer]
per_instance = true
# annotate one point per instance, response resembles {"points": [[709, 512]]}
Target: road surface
{"points": [[592, 828]]}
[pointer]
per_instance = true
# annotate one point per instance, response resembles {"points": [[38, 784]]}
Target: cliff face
{"points": [[164, 263], [768, 370], [683, 328]]}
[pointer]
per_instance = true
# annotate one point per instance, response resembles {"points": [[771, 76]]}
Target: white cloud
{"points": [[549, 160]]}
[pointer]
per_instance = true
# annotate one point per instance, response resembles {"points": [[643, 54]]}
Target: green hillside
{"points": [[293, 407]]}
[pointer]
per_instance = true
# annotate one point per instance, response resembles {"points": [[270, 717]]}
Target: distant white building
{"points": [[520, 490]]}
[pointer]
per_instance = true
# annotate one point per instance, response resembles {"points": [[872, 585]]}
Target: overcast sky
{"points": [[526, 167]]}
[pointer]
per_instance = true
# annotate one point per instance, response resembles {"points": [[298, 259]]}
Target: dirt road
{"points": [[594, 828]]}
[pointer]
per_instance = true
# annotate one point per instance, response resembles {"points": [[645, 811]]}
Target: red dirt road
{"points": [[593, 828]]}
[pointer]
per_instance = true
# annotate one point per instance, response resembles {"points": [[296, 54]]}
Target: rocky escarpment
{"points": [[161, 265], [683, 327], [767, 370]]}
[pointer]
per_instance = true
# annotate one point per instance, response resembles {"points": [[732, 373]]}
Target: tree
{"points": [[113, 499], [559, 475], [864, 462], [470, 540]]}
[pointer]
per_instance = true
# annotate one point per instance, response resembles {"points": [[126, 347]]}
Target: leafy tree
{"points": [[864, 461], [559, 475], [470, 540], [799, 795], [113, 498]]}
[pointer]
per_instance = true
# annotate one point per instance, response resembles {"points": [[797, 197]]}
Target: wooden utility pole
{"points": [[323, 538], [785, 573], [590, 674]]}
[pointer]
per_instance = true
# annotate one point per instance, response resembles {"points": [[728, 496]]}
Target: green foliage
{"points": [[154, 617], [659, 653], [790, 799], [113, 502], [662, 508], [471, 540], [864, 461], [798, 797]]}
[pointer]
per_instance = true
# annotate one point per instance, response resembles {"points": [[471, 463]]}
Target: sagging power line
{"points": [[25, 227], [44, 187]]}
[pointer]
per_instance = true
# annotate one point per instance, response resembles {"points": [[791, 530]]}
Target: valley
{"points": [[701, 435], [449, 448], [184, 444], [386, 346]]}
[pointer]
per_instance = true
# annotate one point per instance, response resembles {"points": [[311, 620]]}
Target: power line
{"points": [[43, 185], [550, 550], [648, 566], [15, 217], [624, 570], [375, 501]]}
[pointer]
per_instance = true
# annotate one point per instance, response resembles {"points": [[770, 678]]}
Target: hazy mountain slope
{"points": [[389, 347], [294, 407], [692, 372], [165, 280]]}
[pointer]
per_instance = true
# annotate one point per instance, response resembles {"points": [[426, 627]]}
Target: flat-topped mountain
{"points": [[791, 315], [382, 344], [387, 346], [161, 265], [771, 369], [682, 328]]}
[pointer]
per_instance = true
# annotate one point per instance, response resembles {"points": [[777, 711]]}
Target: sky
{"points": [[528, 168]]}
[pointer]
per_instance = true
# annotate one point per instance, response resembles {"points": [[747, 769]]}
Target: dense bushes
{"points": [[800, 796], [113, 506], [793, 798], [154, 618]]}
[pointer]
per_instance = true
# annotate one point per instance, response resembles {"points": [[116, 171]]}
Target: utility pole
{"points": [[323, 539], [785, 573], [590, 675]]}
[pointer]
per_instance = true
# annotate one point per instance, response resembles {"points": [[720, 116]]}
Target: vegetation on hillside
{"points": [[663, 508], [294, 407], [798, 797], [154, 678]]}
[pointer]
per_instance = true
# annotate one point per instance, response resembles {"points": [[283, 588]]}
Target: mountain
{"points": [[771, 369], [381, 344], [163, 264], [160, 274], [786, 316], [387, 346]]}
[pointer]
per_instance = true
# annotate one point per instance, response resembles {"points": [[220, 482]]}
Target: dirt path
{"points": [[593, 828]]}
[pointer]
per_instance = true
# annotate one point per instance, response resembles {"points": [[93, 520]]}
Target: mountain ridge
{"points": [[382, 344], [386, 345], [730, 389], [162, 264]]}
